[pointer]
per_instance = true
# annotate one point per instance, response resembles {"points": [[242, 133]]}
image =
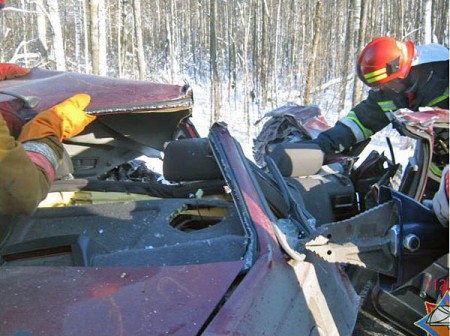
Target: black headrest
{"points": [[297, 159], [190, 160]]}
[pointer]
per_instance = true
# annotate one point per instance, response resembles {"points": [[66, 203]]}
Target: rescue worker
{"points": [[27, 166], [400, 75]]}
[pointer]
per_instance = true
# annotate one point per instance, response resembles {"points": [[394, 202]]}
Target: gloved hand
{"points": [[10, 71], [64, 120]]}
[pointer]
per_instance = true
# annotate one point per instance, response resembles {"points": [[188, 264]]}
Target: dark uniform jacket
{"points": [[373, 114]]}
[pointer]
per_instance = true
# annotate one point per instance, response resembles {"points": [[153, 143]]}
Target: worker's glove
{"points": [[64, 120], [10, 71]]}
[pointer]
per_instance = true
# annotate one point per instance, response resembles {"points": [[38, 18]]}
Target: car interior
{"points": [[90, 222], [86, 221]]}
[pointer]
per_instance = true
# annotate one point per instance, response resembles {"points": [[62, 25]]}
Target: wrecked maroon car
{"points": [[214, 243], [205, 250]]}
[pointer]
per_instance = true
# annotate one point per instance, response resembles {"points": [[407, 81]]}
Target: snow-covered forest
{"points": [[242, 57]]}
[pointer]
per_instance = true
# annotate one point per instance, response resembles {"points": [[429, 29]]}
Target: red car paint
{"points": [[111, 301]]}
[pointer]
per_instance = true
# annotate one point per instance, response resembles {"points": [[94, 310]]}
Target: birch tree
{"points": [[87, 55], [42, 26], [78, 29], [94, 36], [215, 99], [170, 28], [263, 58], [312, 63], [139, 42], [362, 15], [427, 19], [57, 36], [103, 66], [347, 68], [98, 36]]}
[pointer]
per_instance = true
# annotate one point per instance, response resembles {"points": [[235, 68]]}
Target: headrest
{"points": [[297, 159], [190, 160]]}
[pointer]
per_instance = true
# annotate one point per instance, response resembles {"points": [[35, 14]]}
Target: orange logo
{"points": [[437, 320]]}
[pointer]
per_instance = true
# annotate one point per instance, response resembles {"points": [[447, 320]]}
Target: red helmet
{"points": [[384, 59]]}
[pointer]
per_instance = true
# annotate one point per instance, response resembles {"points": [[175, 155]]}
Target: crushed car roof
{"points": [[51, 87]]}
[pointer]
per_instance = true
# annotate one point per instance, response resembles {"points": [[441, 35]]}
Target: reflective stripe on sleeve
{"points": [[435, 169], [439, 99], [359, 131], [43, 149], [387, 106]]}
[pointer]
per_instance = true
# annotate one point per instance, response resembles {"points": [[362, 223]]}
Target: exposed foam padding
{"points": [[297, 159]]}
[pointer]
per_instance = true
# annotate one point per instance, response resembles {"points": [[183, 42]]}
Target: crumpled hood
{"points": [[110, 301]]}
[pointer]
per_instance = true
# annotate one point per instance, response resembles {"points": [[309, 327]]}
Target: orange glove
{"points": [[64, 120], [10, 71]]}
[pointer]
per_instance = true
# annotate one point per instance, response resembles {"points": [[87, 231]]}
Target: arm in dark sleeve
{"points": [[365, 119], [336, 139]]}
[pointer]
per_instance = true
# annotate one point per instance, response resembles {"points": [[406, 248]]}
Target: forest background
{"points": [[242, 57]]}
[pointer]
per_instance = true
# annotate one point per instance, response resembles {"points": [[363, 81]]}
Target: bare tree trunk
{"points": [[42, 25], [103, 66], [401, 19], [215, 99], [275, 54], [246, 23], [234, 57], [193, 36], [170, 28], [140, 44], [348, 55], [301, 51], [441, 22], [427, 21], [41, 22], [119, 23], [312, 63], [123, 39], [86, 37], [25, 33], [293, 29], [255, 46], [94, 36], [357, 84], [57, 36], [264, 66], [77, 23], [98, 37]]}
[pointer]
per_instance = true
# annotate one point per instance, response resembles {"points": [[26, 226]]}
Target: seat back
{"points": [[298, 159]]}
